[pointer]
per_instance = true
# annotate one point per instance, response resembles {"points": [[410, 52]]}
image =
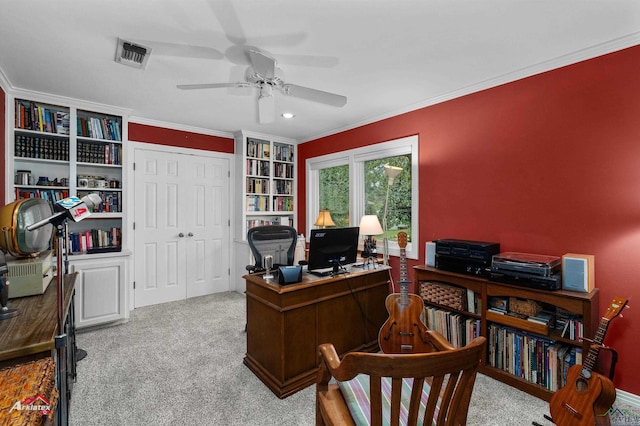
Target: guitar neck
{"points": [[404, 276], [592, 357]]}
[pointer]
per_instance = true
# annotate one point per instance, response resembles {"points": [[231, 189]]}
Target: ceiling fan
{"points": [[265, 75]]}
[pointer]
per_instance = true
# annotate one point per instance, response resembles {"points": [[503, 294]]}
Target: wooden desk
{"points": [[285, 324], [31, 334]]}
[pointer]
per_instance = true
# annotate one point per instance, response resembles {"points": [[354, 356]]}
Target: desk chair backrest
{"points": [[411, 389], [277, 240]]}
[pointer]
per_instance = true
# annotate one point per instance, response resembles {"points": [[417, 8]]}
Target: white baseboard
{"points": [[627, 398]]}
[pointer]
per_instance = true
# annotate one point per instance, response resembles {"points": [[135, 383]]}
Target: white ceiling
{"points": [[386, 56]]}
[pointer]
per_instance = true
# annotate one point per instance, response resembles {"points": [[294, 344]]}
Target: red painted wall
{"points": [[549, 164], [163, 136]]}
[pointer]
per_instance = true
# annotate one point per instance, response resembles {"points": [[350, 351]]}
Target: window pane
{"points": [[334, 193], [399, 206]]}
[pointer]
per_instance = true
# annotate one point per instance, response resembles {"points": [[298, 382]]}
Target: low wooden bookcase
{"points": [[514, 329]]}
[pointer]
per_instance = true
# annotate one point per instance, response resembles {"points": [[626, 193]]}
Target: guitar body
{"points": [[587, 396], [582, 401], [404, 331]]}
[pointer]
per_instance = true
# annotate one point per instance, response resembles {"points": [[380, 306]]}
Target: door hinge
{"points": [[134, 166], [229, 222], [134, 226], [228, 173], [134, 285], [229, 271]]}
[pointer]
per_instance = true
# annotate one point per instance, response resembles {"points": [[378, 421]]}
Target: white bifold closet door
{"points": [[182, 234]]}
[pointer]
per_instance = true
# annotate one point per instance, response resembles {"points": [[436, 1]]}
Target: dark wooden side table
{"points": [[31, 335]]}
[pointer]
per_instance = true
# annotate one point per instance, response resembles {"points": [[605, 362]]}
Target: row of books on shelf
{"points": [[283, 152], [284, 187], [257, 167], [531, 357], [99, 128], [252, 223], [283, 170], [51, 195], [100, 153], [40, 118], [568, 324], [257, 203], [257, 185], [258, 148], [458, 329], [41, 147], [111, 202], [283, 204], [94, 239]]}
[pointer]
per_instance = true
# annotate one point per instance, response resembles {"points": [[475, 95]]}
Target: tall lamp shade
{"points": [[324, 219]]}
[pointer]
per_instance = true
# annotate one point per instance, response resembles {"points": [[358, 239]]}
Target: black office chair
{"points": [[278, 241]]}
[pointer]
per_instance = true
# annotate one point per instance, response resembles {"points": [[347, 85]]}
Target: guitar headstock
{"points": [[615, 308], [402, 239]]}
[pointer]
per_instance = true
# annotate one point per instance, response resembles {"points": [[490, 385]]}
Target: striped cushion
{"points": [[356, 395]]}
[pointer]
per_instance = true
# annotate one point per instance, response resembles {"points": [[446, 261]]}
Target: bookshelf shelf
{"points": [[77, 151], [513, 340], [266, 171], [69, 151]]}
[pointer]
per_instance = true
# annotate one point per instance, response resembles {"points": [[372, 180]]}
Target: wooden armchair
{"points": [[398, 389]]}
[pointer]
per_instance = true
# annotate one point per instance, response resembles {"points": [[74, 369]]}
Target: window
{"points": [[353, 183], [334, 193]]}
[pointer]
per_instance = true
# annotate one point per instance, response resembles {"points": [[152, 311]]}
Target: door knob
{"points": [[181, 235], [190, 234]]}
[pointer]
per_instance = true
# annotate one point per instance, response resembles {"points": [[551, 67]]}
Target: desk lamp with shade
{"points": [[324, 219], [392, 172], [370, 226]]}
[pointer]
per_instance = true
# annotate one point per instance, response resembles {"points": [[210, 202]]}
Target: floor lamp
{"points": [[392, 172]]}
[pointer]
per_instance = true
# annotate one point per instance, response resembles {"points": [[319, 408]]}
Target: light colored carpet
{"points": [[180, 363]]}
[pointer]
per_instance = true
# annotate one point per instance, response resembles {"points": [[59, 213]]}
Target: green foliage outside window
{"points": [[399, 207], [334, 193]]}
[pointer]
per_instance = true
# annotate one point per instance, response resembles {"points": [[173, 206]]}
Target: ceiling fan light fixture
{"points": [[132, 54]]}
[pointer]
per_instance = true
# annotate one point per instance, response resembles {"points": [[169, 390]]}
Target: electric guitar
{"points": [[587, 395], [404, 331]]}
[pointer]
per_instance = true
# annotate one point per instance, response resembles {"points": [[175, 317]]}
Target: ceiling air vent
{"points": [[132, 54]]}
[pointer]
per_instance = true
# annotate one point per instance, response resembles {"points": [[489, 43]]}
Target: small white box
{"points": [[430, 253], [578, 272]]}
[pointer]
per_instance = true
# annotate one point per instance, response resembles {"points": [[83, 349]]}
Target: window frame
{"points": [[355, 159]]}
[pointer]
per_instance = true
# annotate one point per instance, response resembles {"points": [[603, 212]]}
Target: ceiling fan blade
{"points": [[263, 64], [211, 85], [266, 109], [183, 50], [314, 95]]}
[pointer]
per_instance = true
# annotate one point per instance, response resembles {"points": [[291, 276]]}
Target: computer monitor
{"points": [[332, 247]]}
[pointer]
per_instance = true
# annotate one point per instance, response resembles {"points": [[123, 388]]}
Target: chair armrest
{"points": [[439, 341]]}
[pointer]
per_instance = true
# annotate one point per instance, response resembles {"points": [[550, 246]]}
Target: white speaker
{"points": [[578, 272], [430, 253]]}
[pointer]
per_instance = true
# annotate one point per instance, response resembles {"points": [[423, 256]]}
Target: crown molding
{"points": [[180, 127], [591, 52]]}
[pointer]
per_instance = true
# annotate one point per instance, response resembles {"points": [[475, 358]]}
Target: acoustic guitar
{"points": [[587, 396], [404, 331]]}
